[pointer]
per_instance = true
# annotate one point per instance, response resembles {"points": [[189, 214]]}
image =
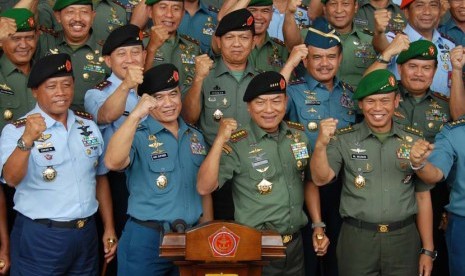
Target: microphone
{"points": [[179, 226]]}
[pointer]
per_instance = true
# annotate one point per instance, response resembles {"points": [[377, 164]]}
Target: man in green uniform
{"points": [[381, 197], [426, 111], [77, 40], [15, 63], [166, 45], [218, 88], [266, 161]]}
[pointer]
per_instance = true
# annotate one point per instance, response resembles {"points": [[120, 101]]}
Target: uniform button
{"points": [[415, 124], [292, 226], [292, 207]]}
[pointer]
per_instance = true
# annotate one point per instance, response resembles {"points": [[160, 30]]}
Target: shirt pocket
{"points": [[162, 170], [8, 99]]}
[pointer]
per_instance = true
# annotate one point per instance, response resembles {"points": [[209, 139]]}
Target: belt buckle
{"points": [[383, 228], [286, 239], [80, 223]]}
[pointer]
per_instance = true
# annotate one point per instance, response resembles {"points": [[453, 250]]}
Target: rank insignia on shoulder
{"points": [[295, 125], [347, 86], [227, 149], [190, 39], [345, 130], [47, 30], [297, 81], [456, 123], [441, 96], [444, 35], [303, 6], [213, 9], [368, 32], [238, 135], [83, 114], [19, 123], [399, 115], [103, 84], [413, 130], [194, 127], [119, 4], [278, 41]]}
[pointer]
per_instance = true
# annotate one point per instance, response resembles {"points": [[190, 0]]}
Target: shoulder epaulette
{"points": [[295, 125], [368, 32], [227, 149], [19, 123], [103, 84], [446, 36], [213, 9], [238, 135], [258, 70], [278, 41], [119, 4], [347, 86], [83, 114], [191, 39], [456, 123], [296, 81], [47, 30], [413, 130], [303, 6], [194, 127], [441, 96], [345, 130], [399, 115]]}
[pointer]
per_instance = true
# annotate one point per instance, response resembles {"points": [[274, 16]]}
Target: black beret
{"points": [[159, 78], [127, 35], [50, 66], [238, 20], [269, 82]]}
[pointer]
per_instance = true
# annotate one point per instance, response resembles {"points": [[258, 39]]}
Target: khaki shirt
{"points": [[388, 194], [253, 156]]}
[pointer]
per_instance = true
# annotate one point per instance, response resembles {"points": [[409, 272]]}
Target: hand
{"points": [[420, 152], [203, 65], [327, 131], [400, 43], [5, 257], [110, 243], [144, 106], [134, 76], [227, 126], [457, 57], [298, 53], [158, 35], [320, 241], [382, 17], [7, 27], [140, 15], [425, 265], [35, 126], [292, 5]]}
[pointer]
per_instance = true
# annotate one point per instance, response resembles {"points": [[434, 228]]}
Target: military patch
{"points": [[413, 130], [49, 31], [5, 89], [83, 114], [456, 123], [368, 32], [295, 125], [19, 123], [297, 81], [102, 85], [238, 135], [227, 149], [190, 39], [278, 41], [441, 96], [345, 130]]}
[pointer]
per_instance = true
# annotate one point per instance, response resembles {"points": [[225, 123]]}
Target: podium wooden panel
{"points": [[222, 248]]}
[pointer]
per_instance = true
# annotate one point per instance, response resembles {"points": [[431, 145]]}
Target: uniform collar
{"points": [[313, 84], [365, 130], [405, 93], [414, 35], [450, 24], [6, 66], [91, 41], [155, 126], [221, 68], [49, 121], [258, 133]]}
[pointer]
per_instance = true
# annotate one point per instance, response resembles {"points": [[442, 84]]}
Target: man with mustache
{"points": [[77, 40]]}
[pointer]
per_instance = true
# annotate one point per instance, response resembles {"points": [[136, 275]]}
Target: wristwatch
{"points": [[22, 145], [432, 254], [380, 59], [318, 224]]}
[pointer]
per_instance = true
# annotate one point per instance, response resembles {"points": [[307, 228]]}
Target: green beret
{"points": [[159, 78], [260, 3], [24, 19], [50, 66], [380, 81], [420, 49], [61, 4], [238, 20], [269, 82], [322, 35], [152, 2], [127, 35]]}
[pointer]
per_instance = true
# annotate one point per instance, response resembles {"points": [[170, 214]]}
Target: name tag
{"points": [[159, 156], [359, 156]]}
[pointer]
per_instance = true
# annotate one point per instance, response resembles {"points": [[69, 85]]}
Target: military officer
{"points": [[380, 195], [453, 26], [50, 156], [266, 160], [319, 95], [166, 44], [444, 161], [199, 21], [15, 63], [161, 155], [79, 42]]}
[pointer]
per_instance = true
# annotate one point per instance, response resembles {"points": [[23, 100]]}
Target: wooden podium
{"points": [[222, 248]]}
